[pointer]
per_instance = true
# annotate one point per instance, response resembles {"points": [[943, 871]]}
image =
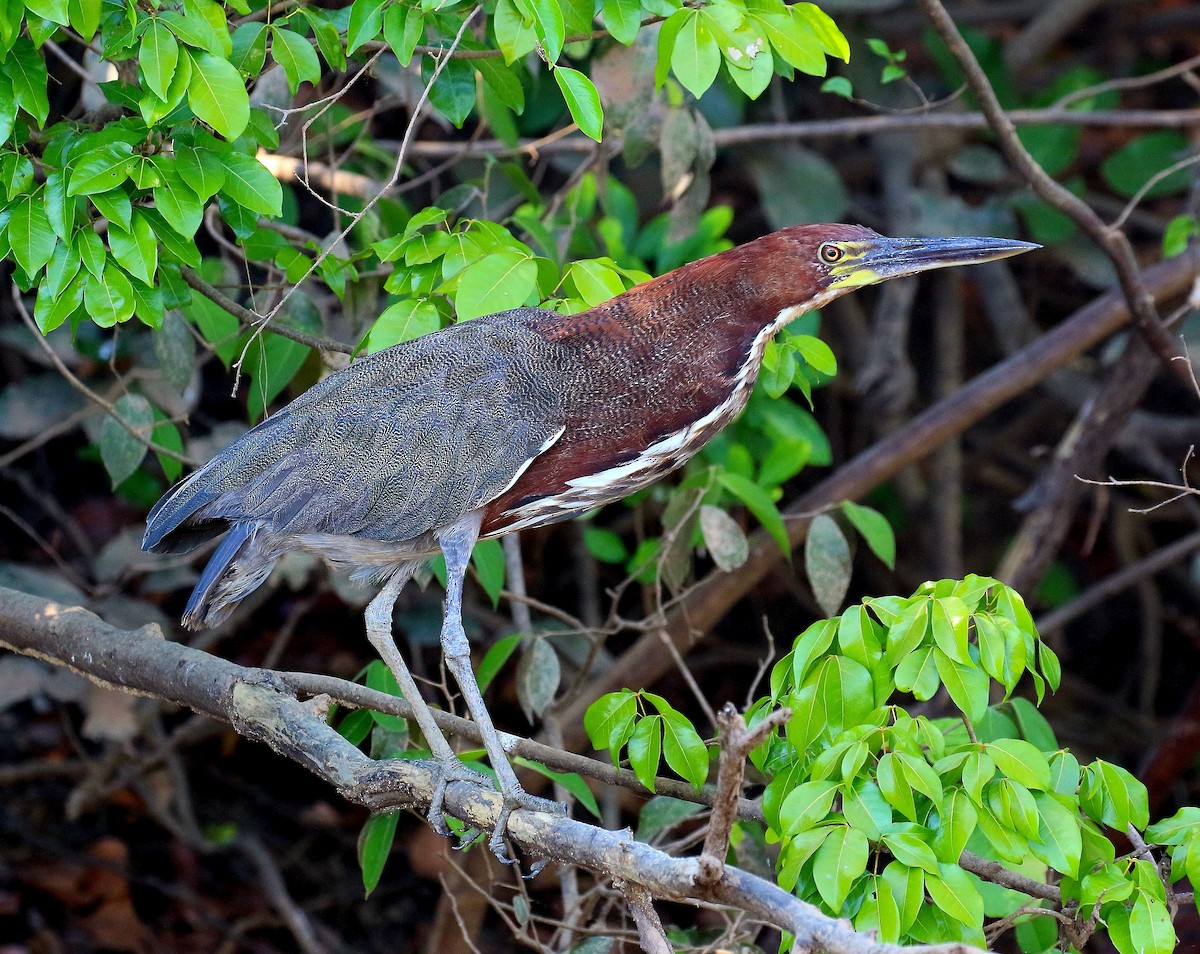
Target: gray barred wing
{"points": [[393, 447]]}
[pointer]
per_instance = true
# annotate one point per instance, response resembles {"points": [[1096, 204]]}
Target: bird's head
{"points": [[810, 265]]}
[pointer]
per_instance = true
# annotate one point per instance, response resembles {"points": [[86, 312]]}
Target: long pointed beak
{"points": [[886, 258]]}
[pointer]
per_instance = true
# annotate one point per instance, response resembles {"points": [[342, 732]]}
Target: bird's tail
{"points": [[224, 582]]}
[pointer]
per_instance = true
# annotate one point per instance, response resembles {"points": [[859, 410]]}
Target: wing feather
{"points": [[393, 447]]}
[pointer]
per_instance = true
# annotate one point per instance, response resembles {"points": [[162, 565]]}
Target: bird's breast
{"points": [[639, 405]]}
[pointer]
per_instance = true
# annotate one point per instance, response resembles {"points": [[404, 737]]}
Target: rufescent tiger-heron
{"points": [[505, 422]]}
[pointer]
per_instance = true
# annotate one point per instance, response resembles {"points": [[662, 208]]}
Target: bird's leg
{"points": [[379, 632], [456, 542]]}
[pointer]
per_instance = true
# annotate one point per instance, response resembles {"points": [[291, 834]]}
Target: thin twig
{"points": [[401, 156], [736, 744], [1113, 242], [650, 930], [87, 392], [247, 317], [848, 128]]}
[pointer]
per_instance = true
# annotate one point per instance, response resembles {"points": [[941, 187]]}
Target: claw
{"points": [[512, 801], [450, 770]]}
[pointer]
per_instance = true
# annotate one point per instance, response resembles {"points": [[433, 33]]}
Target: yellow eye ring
{"points": [[830, 254]]}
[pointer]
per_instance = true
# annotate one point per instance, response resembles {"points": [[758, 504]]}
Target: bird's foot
{"points": [[515, 798], [451, 770]]}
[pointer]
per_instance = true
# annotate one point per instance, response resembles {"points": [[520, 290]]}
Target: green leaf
{"points": [[796, 46], [824, 29], [488, 560], [295, 56], [30, 236], [136, 250], [918, 674], [1013, 806], [218, 96], [113, 205], [1175, 830], [583, 101], [662, 812], [1021, 761], [696, 56], [249, 48], [55, 307], [759, 503], [684, 750], [875, 530], [805, 806], [895, 786], [159, 57], [249, 183], [1129, 168], [955, 894], [173, 247], [867, 810], [572, 782], [1110, 794], [8, 108], [827, 562], [949, 620], [101, 169], [202, 170], [27, 70], [839, 862], [908, 630], [668, 33], [453, 92], [968, 686], [910, 850], [838, 86], [91, 252], [908, 889], [85, 18], [1179, 231], [1059, 843], [121, 451], [645, 749], [179, 205], [167, 435], [272, 361], [816, 353], [504, 82], [497, 282], [605, 545], [959, 819], [495, 658], [514, 32], [108, 298], [609, 719], [366, 21], [403, 27], [548, 25], [374, 846], [623, 19], [1150, 927], [150, 311]]}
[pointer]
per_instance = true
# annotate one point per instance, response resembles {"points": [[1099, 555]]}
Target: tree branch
{"points": [[260, 706], [1111, 240]]}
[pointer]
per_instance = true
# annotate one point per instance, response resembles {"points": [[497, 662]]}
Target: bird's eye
{"points": [[830, 254]]}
